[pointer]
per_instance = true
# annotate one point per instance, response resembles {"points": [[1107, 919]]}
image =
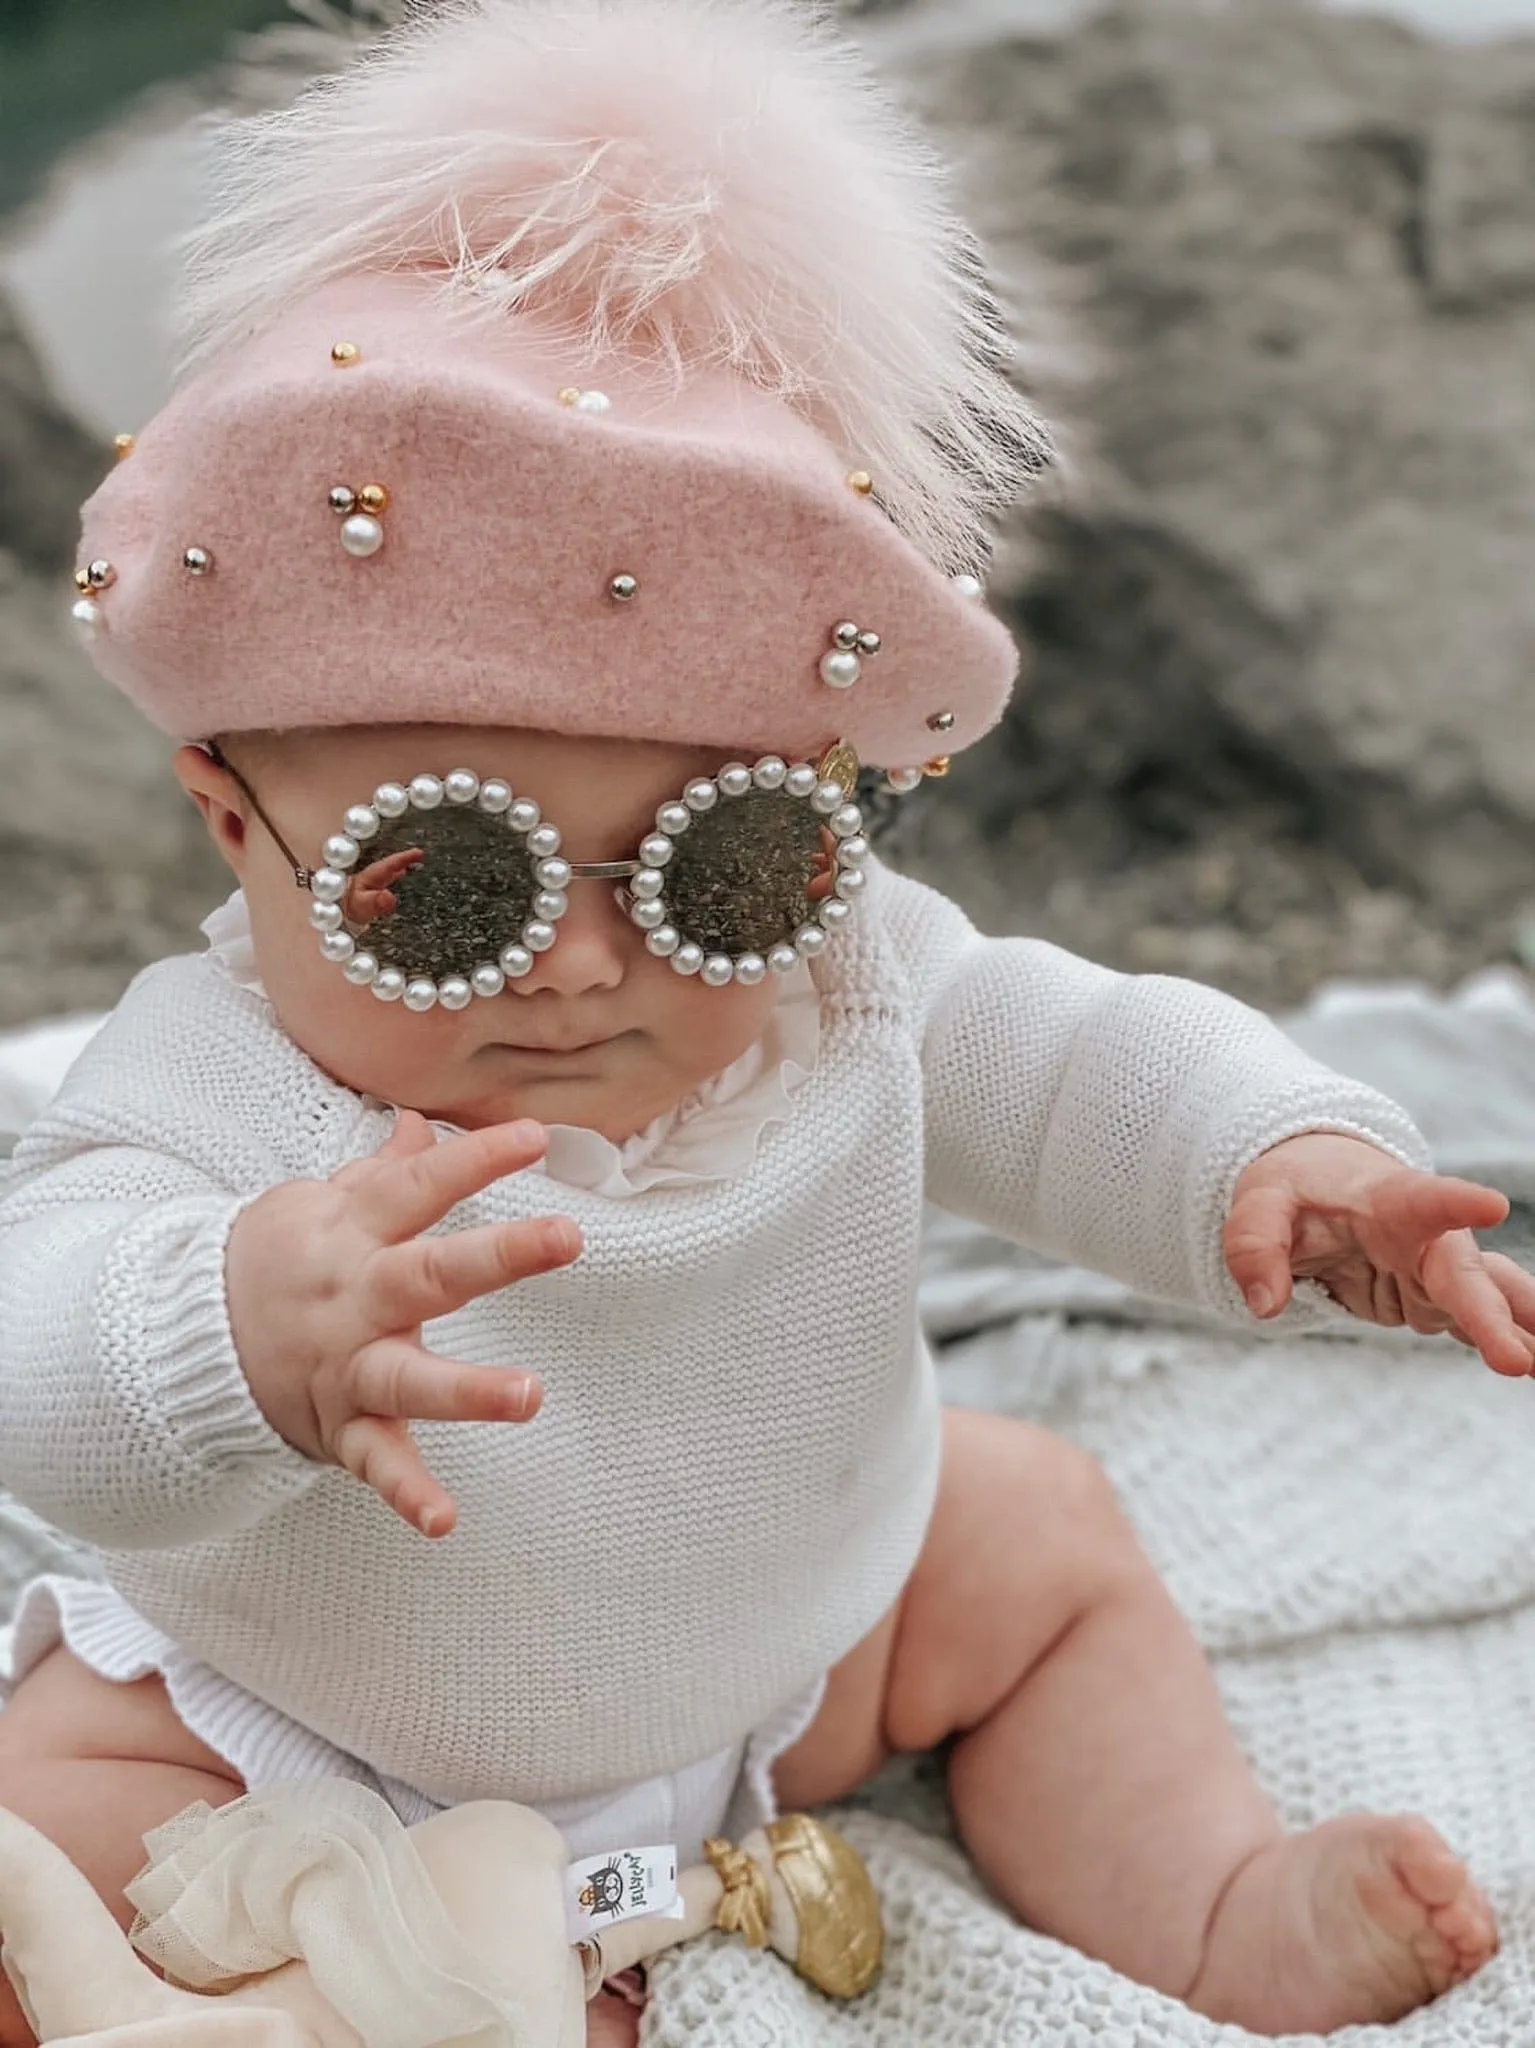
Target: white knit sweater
{"points": [[731, 1475]]}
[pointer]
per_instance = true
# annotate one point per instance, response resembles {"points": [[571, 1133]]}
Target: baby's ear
{"points": [[218, 796]]}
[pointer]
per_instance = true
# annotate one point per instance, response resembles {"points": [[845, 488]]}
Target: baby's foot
{"points": [[1362, 1919]]}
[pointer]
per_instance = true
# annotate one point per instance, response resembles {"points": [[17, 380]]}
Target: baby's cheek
{"points": [[377, 1048], [700, 1030]]}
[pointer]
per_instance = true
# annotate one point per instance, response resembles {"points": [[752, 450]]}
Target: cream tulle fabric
{"points": [[712, 1135], [324, 1871]]}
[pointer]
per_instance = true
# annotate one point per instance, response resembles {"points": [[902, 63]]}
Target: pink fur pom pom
{"points": [[702, 182]]}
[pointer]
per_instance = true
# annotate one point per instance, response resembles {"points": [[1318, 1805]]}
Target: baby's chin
{"points": [[587, 1097], [597, 1090]]}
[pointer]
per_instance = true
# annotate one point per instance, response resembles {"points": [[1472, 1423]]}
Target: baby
{"points": [[471, 1308]]}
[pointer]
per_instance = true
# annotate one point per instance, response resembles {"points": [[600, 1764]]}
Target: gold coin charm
{"points": [[840, 764]]}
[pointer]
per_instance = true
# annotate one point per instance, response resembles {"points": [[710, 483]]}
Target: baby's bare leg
{"points": [[94, 1766], [1095, 1780]]}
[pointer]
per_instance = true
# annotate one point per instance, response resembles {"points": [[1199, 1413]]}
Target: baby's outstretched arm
{"points": [[329, 1284], [182, 1355], [1105, 1117]]}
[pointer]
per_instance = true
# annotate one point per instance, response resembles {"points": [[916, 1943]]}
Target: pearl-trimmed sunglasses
{"points": [[457, 883]]}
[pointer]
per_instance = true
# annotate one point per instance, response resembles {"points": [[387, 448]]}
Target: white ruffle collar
{"points": [[712, 1135]]}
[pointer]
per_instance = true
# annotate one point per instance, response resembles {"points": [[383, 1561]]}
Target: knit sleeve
{"points": [[125, 1419], [1105, 1117]]}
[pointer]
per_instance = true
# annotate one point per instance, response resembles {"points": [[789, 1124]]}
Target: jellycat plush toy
{"points": [[309, 1917]]}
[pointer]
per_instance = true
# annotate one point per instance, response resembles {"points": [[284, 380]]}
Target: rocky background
{"points": [[1277, 267], [103, 862]]}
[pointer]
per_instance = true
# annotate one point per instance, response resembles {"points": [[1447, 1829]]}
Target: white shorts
{"points": [[730, 1793]]}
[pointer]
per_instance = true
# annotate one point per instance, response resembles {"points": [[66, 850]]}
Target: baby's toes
{"points": [[1444, 1916], [1468, 1930], [1412, 1870]]}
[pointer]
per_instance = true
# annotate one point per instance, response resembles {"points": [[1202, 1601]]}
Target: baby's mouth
{"points": [[547, 1049]]}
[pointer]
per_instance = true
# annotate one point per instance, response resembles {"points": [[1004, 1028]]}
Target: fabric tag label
{"points": [[629, 1884]]}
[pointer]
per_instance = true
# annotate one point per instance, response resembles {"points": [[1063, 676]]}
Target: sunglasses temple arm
{"points": [[215, 753], [586, 870]]}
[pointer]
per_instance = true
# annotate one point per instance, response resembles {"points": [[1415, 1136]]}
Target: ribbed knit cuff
{"points": [[165, 1341], [1322, 1101]]}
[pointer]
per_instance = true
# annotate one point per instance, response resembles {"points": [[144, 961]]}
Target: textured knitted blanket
{"points": [[1349, 1523]]}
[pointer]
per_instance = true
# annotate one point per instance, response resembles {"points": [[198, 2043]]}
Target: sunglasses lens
{"points": [[440, 891], [739, 879]]}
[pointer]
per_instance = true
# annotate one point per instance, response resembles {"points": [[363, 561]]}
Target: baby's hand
{"points": [[329, 1283], [1390, 1243], [371, 893]]}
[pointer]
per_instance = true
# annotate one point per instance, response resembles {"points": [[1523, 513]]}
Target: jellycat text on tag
{"points": [[628, 1884]]}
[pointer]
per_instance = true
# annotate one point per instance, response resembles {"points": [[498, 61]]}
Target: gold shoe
{"points": [[818, 1908]]}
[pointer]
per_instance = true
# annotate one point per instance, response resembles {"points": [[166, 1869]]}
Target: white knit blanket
{"points": [[1349, 1523]]}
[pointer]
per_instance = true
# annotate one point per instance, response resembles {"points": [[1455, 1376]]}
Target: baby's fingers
{"points": [[411, 1134], [1258, 1240], [1457, 1280], [1516, 1285], [410, 1284], [379, 874], [408, 1190], [1412, 1208], [382, 1455], [400, 1381]]}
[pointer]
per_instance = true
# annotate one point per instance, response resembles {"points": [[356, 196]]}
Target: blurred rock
{"points": [[106, 866], [48, 462], [1288, 617]]}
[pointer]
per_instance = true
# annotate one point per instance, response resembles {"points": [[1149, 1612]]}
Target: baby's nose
{"points": [[593, 945]]}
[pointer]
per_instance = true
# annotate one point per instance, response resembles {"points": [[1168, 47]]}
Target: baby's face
{"points": [[600, 1033]]}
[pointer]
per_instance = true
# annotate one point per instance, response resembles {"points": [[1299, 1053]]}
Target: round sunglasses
{"points": [[447, 887]]}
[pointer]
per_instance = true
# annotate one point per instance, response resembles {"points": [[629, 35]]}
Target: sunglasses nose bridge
{"points": [[603, 870], [618, 873]]}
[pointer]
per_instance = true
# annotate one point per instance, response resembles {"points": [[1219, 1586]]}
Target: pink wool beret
{"points": [[608, 369], [633, 561]]}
